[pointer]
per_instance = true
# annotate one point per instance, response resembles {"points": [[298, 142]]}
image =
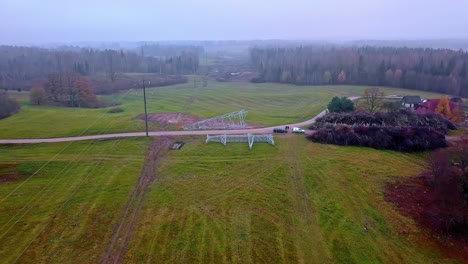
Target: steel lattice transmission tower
{"points": [[246, 138], [234, 120]]}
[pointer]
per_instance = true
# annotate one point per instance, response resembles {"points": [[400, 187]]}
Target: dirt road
{"points": [[118, 244], [167, 133], [159, 133]]}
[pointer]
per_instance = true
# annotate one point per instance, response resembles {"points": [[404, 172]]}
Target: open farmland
{"points": [[268, 104], [68, 209], [296, 202]]}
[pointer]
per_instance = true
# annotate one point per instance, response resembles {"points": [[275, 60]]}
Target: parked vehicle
{"points": [[279, 130], [298, 130]]}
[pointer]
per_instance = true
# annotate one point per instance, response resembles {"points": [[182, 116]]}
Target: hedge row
{"points": [[402, 118], [406, 139]]}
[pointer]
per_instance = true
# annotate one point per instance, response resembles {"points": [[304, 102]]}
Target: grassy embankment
{"points": [[268, 104]]}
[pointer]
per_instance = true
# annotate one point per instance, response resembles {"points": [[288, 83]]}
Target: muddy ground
{"points": [[178, 119], [171, 118], [118, 245], [10, 173], [410, 195]]}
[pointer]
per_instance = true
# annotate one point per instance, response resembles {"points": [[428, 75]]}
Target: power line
{"points": [[17, 187]]}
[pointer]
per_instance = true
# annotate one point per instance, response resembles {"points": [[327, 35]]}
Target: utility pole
{"points": [[146, 112]]}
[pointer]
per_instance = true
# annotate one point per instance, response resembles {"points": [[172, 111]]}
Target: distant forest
{"points": [[436, 70], [21, 67], [157, 50]]}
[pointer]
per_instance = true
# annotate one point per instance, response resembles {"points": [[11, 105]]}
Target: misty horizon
{"points": [[52, 21]]}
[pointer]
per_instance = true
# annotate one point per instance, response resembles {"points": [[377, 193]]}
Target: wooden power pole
{"points": [[146, 112]]}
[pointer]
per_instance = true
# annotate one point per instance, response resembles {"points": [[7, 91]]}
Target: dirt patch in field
{"points": [[10, 173], [410, 195], [118, 245], [171, 118]]}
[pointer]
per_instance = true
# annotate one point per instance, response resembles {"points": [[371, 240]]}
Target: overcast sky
{"points": [[42, 21]]}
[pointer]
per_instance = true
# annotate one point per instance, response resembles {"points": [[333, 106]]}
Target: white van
{"points": [[298, 130]]}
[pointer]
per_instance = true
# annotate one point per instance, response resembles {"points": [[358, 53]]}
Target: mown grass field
{"points": [[268, 104], [296, 202], [67, 211]]}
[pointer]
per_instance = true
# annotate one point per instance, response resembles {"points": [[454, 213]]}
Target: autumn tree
{"points": [[342, 76], [53, 87], [443, 109], [69, 89], [397, 77], [37, 95], [84, 92], [389, 77], [373, 97]]}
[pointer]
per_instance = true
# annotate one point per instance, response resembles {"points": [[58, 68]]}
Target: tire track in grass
{"points": [[118, 246], [308, 233]]}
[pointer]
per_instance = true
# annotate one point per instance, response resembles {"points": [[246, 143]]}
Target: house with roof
{"points": [[411, 101]]}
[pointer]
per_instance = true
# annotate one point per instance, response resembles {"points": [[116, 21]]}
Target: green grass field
{"points": [[296, 202], [268, 104], [67, 211]]}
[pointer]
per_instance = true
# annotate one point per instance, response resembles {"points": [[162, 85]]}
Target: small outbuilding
{"points": [[411, 101]]}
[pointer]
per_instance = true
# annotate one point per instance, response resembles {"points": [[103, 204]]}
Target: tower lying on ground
{"points": [[234, 120]]}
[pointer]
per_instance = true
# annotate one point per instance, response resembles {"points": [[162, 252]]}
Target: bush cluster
{"points": [[115, 110], [405, 139], [341, 104], [8, 106], [446, 206], [402, 118]]}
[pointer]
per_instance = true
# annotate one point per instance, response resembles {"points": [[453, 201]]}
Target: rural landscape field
{"points": [[210, 204], [233, 132], [268, 105]]}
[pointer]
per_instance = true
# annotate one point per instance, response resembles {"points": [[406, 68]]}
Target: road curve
{"points": [[165, 133]]}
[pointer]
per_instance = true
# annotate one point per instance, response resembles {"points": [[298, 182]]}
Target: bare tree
{"points": [[37, 95], [111, 71], [374, 100]]}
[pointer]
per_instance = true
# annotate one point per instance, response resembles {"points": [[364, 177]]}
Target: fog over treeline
{"points": [[418, 44], [46, 21]]}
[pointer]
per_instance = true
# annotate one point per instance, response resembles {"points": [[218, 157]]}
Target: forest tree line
{"points": [[435, 70], [158, 50], [21, 67]]}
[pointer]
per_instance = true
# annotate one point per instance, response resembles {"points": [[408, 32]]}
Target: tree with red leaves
{"points": [[342, 76], [85, 92], [69, 89]]}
